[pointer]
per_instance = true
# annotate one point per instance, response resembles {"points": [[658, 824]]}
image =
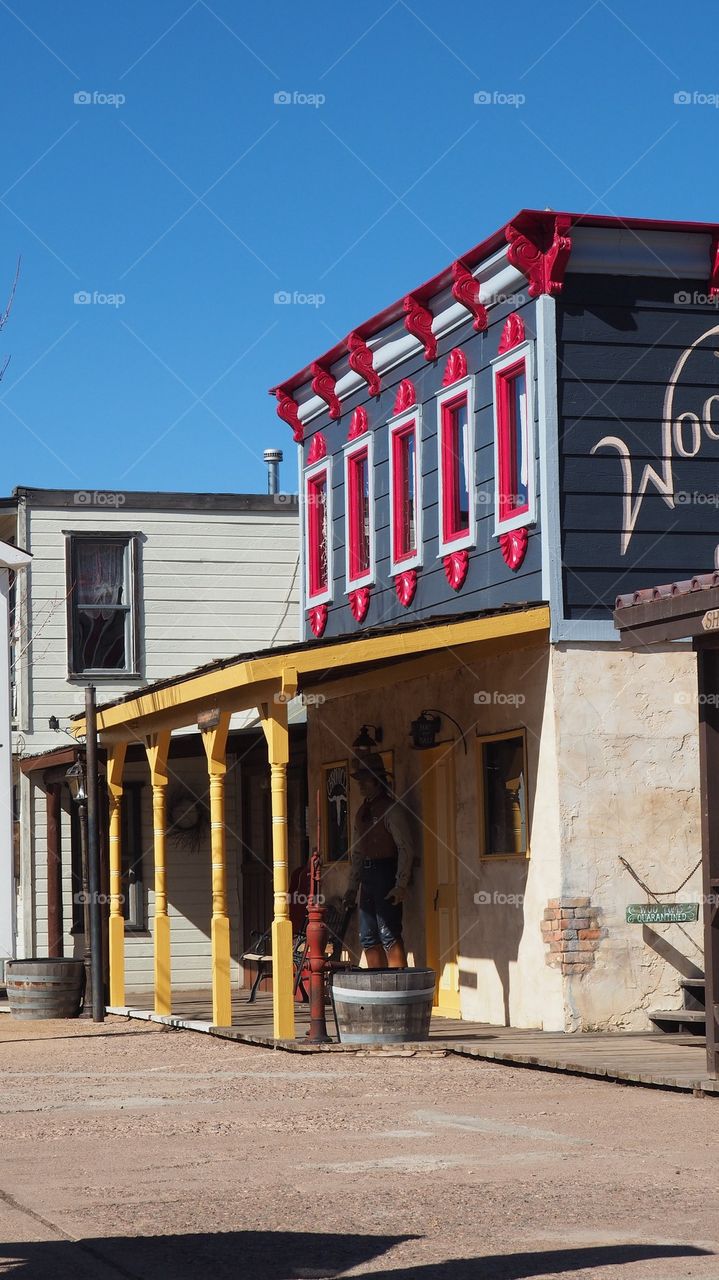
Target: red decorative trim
{"points": [[418, 322], [512, 334], [542, 260], [406, 396], [514, 546], [466, 290], [456, 565], [318, 448], [362, 361], [359, 603], [405, 584], [455, 368], [288, 411], [323, 385], [358, 423], [317, 618], [714, 267]]}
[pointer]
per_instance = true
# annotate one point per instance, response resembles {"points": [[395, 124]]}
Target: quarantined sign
{"points": [[662, 912]]}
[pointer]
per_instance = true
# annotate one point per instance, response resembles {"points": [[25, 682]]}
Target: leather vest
{"points": [[372, 839]]}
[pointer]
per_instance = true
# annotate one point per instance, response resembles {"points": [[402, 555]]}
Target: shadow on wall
{"points": [[283, 1255]]}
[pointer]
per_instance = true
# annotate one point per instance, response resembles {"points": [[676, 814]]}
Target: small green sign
{"points": [[662, 912]]}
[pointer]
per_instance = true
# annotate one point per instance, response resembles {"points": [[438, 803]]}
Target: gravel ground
{"points": [[130, 1150]]}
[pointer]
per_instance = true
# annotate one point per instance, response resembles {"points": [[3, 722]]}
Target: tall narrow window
{"points": [[359, 503], [515, 496], [318, 502], [503, 795], [102, 604], [133, 905], [456, 467]]}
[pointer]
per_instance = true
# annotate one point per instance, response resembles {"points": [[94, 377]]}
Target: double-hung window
{"points": [[133, 893], [359, 513], [455, 434], [102, 603], [515, 497], [318, 525], [405, 491]]}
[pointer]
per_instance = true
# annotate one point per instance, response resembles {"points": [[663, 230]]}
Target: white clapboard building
{"points": [[124, 589]]}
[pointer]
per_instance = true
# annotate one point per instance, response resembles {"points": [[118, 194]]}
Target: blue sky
{"points": [[199, 197]]}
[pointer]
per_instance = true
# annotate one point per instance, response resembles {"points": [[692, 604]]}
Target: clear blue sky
{"points": [[358, 199]]}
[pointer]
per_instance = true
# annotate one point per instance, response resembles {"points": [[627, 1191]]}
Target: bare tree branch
{"points": [[5, 315]]}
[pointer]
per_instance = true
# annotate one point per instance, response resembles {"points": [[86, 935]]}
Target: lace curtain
{"points": [[100, 574]]}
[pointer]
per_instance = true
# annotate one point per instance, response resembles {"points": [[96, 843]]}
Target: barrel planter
{"points": [[383, 1006], [49, 988]]}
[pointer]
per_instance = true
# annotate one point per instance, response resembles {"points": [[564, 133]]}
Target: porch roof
{"points": [[339, 665], [676, 611]]}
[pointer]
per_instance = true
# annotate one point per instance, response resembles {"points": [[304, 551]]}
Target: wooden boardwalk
{"points": [[632, 1057]]}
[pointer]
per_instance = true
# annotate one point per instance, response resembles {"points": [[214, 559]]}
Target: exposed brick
{"points": [[590, 933], [575, 902], [570, 944], [552, 913], [582, 922], [553, 902], [569, 971], [555, 946], [569, 933], [552, 937], [574, 958]]}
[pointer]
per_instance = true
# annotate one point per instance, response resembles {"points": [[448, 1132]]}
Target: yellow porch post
{"points": [[274, 723], [157, 746], [116, 925], [215, 744]]}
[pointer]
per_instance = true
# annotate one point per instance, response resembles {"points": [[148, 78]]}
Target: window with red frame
{"points": [[456, 462], [404, 492], [317, 533], [512, 441], [359, 563]]}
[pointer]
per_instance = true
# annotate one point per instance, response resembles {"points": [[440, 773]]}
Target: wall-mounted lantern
{"points": [[364, 742]]}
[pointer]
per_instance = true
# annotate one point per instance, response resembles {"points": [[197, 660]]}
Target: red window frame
{"points": [[401, 466], [452, 530], [509, 428], [359, 495], [318, 534]]}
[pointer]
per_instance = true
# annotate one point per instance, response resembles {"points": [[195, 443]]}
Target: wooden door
{"points": [[440, 875]]}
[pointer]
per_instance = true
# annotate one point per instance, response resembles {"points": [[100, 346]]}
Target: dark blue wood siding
{"points": [[489, 583], [619, 343]]}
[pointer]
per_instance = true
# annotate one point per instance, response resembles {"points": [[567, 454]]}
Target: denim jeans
{"points": [[380, 921]]}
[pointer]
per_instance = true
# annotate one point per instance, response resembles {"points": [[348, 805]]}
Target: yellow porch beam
{"points": [[157, 747], [215, 743], [116, 924], [244, 683], [274, 723]]}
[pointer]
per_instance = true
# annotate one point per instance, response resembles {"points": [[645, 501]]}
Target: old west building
{"points": [[124, 589], [484, 466]]}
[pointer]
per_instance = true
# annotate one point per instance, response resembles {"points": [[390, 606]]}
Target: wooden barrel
{"points": [[49, 988], [383, 1006]]}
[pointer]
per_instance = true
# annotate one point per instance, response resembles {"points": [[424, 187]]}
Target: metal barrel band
{"points": [[349, 995]]}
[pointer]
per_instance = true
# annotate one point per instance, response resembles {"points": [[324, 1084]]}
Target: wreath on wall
{"points": [[188, 819]]}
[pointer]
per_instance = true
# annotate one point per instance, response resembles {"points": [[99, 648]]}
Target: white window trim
{"points": [[395, 425], [317, 468], [523, 351], [469, 539], [132, 589], [365, 441]]}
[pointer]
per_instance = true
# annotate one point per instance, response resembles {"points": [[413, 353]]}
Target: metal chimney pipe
{"points": [[273, 458]]}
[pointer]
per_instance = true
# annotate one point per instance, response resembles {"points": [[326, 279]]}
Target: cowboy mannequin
{"points": [[380, 866]]}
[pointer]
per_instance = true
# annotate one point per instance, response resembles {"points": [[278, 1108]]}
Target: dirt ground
{"points": [[129, 1150]]}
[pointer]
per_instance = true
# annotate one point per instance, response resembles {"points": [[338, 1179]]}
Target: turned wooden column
{"points": [[55, 942]]}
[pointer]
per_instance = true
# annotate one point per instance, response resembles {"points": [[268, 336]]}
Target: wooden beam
{"points": [[215, 743], [116, 926], [157, 748], [237, 685], [708, 671], [55, 939], [274, 723]]}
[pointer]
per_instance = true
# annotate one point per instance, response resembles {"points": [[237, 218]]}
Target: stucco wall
{"points": [[628, 786], [503, 976]]}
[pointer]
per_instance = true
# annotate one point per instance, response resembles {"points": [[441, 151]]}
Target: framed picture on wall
{"points": [[334, 792]]}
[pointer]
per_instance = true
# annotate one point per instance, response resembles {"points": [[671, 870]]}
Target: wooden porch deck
{"points": [[633, 1057]]}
